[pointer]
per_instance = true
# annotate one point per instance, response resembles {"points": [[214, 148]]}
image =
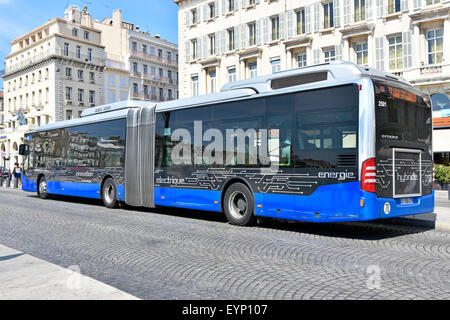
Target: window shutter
{"points": [[338, 51], [404, 5], [188, 53], [188, 17], [317, 16], [347, 12], [205, 47], [258, 32], [216, 8], [244, 28], [223, 47], [406, 40], [336, 13], [236, 38], [379, 53], [282, 25], [217, 42], [368, 9], [380, 8], [266, 30], [316, 56], [308, 19], [289, 22], [417, 4], [205, 12]]}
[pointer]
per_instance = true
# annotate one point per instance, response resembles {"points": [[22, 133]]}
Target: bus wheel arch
{"points": [[108, 192], [238, 202]]}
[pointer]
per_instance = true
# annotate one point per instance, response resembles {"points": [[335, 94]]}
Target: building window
{"points": [[90, 54], [432, 2], [75, 32], [212, 80], [194, 48], [161, 94], [252, 34], [78, 52], [212, 44], [301, 60], [300, 21], [145, 69], [330, 55], [362, 55], [92, 77], [169, 55], [144, 49], [66, 49], [328, 19], [134, 46], [160, 53], [395, 53], [80, 74], [435, 46], [275, 28], [360, 10], [194, 81], [86, 35], [68, 94], [253, 69], [230, 39], [68, 72], [232, 74], [146, 91], [230, 5], [276, 65], [169, 94], [92, 97], [135, 67], [393, 6], [80, 95], [194, 16], [68, 115], [212, 10], [111, 80], [135, 88]]}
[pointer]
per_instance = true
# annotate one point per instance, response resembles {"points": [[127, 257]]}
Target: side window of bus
{"points": [[280, 116], [239, 123], [327, 123]]}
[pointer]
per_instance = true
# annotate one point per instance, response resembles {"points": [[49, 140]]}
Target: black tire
{"points": [[42, 188], [109, 194], [239, 204]]}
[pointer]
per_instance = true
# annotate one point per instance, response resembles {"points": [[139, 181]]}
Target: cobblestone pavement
{"points": [[183, 254]]}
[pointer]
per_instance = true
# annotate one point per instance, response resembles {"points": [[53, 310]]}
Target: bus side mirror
{"points": [[24, 150]]}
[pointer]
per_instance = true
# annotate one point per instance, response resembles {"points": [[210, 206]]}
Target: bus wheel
{"points": [[238, 205], [42, 188], [109, 194]]}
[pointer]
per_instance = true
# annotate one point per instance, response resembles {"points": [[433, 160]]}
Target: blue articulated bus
{"points": [[326, 143]]}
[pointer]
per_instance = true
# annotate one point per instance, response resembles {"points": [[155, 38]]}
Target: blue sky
{"points": [[17, 17]]}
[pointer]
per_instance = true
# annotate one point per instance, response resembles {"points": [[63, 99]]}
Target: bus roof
{"points": [[322, 74]]}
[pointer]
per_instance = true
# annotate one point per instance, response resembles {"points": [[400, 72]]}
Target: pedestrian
{"points": [[17, 172]]}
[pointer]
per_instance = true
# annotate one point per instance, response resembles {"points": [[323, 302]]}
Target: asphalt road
{"points": [[184, 254]]}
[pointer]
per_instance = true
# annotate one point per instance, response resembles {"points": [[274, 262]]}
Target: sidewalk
{"points": [[439, 220], [23, 277]]}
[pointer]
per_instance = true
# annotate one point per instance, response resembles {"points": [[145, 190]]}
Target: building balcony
{"points": [[154, 58], [51, 53]]}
